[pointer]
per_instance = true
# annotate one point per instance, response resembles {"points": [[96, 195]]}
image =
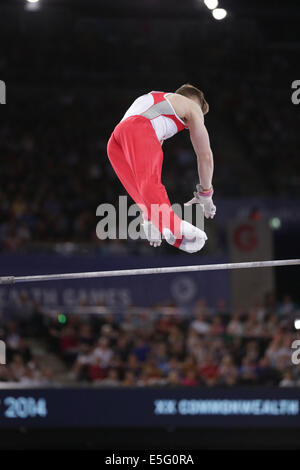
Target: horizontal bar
{"points": [[145, 271]]}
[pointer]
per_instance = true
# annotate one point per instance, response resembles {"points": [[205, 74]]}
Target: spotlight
{"points": [[211, 4], [219, 13], [297, 324], [32, 5]]}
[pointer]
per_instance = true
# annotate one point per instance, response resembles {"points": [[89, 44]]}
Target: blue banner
{"points": [[151, 407], [181, 288]]}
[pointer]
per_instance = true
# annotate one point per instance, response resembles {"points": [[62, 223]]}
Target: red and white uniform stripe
{"points": [[157, 108]]}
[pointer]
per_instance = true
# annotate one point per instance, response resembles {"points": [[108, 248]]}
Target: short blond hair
{"points": [[189, 90]]}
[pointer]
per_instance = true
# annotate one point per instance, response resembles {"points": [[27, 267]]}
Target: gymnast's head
{"points": [[190, 91]]}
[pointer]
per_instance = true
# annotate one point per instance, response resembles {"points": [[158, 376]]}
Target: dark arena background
{"points": [[166, 362]]}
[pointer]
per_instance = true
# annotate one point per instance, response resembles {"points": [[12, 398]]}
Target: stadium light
{"points": [[219, 13], [32, 5], [211, 4]]}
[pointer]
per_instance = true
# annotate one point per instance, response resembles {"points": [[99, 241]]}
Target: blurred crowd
{"points": [[206, 347], [24, 365]]}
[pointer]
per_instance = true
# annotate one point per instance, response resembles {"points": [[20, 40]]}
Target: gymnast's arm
{"points": [[200, 141], [192, 115]]}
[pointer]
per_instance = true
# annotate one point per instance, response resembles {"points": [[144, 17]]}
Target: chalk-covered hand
{"points": [[204, 198]]}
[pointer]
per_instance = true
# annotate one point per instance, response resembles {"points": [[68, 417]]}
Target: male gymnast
{"points": [[135, 152]]}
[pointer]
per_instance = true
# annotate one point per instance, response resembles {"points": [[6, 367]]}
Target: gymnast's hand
{"points": [[205, 199]]}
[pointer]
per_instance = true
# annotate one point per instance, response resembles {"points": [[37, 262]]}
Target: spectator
{"points": [[103, 352], [209, 369], [112, 379], [200, 325], [68, 343], [287, 379], [235, 326], [190, 379], [96, 370], [141, 349]]}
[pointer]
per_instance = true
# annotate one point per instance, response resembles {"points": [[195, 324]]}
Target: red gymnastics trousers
{"points": [[136, 156]]}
